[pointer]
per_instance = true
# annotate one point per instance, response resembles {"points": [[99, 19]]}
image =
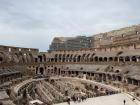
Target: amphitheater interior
{"points": [[30, 77]]}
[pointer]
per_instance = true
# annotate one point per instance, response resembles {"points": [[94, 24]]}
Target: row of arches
{"points": [[16, 57], [92, 58]]}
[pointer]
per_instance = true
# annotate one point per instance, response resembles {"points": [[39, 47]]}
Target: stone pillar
{"points": [[137, 59], [132, 82], [139, 83], [118, 60]]}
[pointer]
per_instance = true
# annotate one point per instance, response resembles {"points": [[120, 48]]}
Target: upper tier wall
{"points": [[18, 49]]}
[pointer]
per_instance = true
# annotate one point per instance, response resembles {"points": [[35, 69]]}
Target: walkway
{"points": [[116, 99]]}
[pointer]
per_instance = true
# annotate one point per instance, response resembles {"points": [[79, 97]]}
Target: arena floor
{"points": [[116, 99]]}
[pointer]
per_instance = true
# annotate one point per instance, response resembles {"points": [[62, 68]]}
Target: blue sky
{"points": [[34, 23]]}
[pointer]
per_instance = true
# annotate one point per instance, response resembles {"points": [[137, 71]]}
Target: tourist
{"points": [[124, 102], [133, 99], [79, 99], [82, 97], [73, 98], [68, 100]]}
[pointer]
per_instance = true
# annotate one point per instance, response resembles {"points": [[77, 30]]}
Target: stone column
{"points": [[137, 59], [139, 83]]}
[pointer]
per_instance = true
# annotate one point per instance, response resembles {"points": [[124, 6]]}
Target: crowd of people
{"points": [[76, 98]]}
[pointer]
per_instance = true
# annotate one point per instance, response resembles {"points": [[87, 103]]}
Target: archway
{"points": [[75, 58], [60, 58], [134, 59], [116, 59], [55, 70], [1, 59], [96, 59], [78, 58], [105, 59], [63, 58], [127, 58], [67, 58], [40, 58], [55, 57], [110, 59], [31, 57], [44, 57], [87, 58], [121, 59], [100, 59], [91, 57], [83, 57], [70, 58], [41, 70]]}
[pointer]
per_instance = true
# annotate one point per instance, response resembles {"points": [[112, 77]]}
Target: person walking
{"points": [[68, 100], [133, 99], [124, 102]]}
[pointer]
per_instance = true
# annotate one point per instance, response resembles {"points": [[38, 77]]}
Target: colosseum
{"points": [[111, 67]]}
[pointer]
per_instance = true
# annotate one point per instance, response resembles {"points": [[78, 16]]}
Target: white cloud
{"points": [[34, 23]]}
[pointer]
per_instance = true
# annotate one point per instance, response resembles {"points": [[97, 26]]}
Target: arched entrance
{"points": [[41, 70]]}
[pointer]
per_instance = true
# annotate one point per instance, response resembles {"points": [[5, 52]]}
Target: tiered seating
{"points": [[58, 96], [47, 98]]}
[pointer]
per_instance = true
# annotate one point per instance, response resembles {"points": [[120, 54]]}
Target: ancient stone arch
{"points": [[60, 57], [105, 59], [121, 59], [56, 57], [91, 57], [1, 57], [87, 57], [67, 57], [115, 58], [100, 59], [134, 58], [55, 70], [63, 58], [78, 58], [83, 57], [51, 59], [127, 58], [70, 58], [41, 70], [44, 57], [25, 57], [96, 58], [21, 59], [15, 58], [110, 59], [74, 58]]}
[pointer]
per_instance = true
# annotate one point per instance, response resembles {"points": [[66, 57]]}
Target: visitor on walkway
{"points": [[82, 98], [124, 102], [133, 99], [68, 100], [73, 98]]}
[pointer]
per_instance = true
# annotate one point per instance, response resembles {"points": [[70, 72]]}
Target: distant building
{"points": [[70, 43]]}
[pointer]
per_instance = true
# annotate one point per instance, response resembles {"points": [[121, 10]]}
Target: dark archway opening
{"points": [[116, 59], [40, 58], [121, 59], [96, 59], [36, 70], [105, 59], [1, 59], [134, 59], [127, 58], [110, 59], [100, 59], [78, 58], [41, 70]]}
